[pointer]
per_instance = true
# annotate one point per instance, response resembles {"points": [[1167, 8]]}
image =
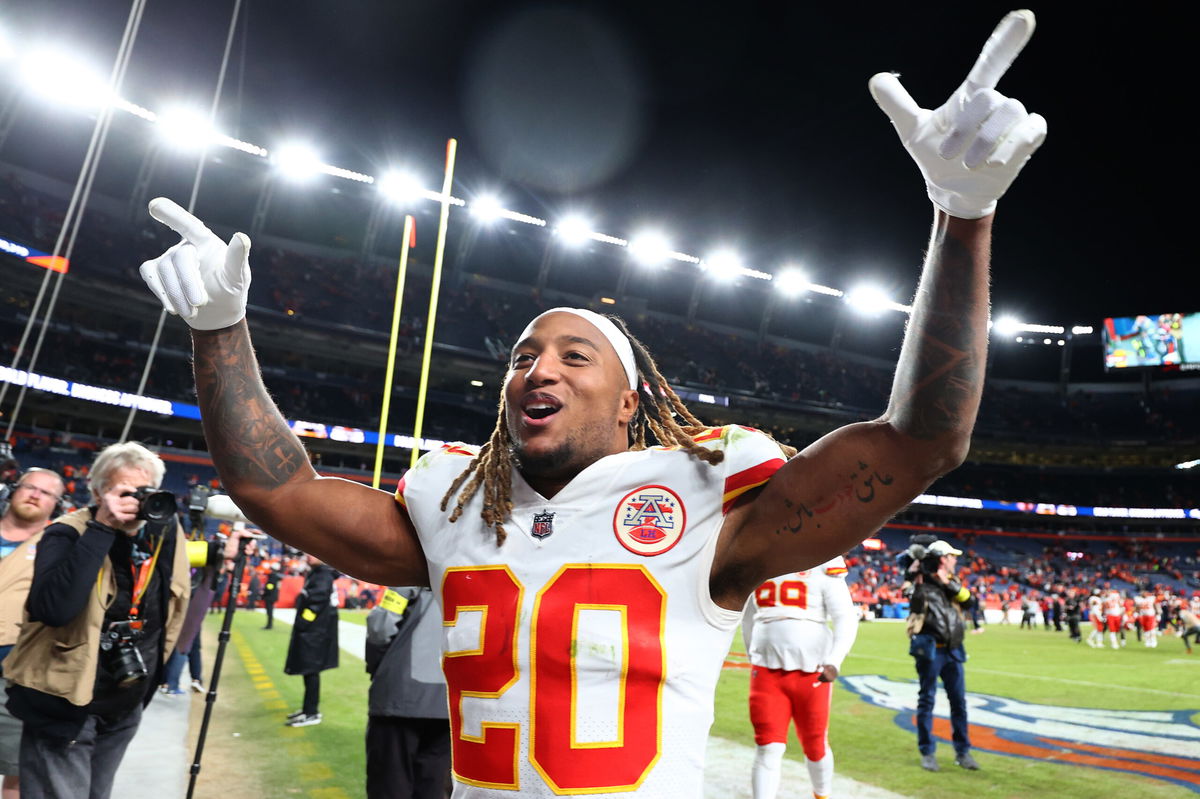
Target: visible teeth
{"points": [[539, 406]]}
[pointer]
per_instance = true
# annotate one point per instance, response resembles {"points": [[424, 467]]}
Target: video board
{"points": [[1164, 341]]}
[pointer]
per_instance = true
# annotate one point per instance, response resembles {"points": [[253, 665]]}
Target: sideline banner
{"points": [[55, 263]]}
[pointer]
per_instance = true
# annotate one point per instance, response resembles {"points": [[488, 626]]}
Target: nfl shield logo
{"points": [[543, 525]]}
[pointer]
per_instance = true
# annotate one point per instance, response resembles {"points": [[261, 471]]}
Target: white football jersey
{"points": [[1113, 604], [785, 621], [581, 656]]}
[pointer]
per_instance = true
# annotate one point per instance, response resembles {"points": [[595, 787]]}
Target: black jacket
{"points": [[64, 574], [938, 601], [314, 644], [270, 592]]}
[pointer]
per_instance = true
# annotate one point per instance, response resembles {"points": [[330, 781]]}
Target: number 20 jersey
{"points": [[581, 655]]}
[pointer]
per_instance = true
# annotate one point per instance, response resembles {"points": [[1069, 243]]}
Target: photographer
{"points": [[109, 591], [936, 627], [26, 508]]}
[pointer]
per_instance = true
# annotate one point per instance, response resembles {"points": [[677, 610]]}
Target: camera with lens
{"points": [[119, 645], [6, 492], [10, 472], [917, 552], [154, 505]]}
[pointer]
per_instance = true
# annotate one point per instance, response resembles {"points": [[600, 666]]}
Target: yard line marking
{"points": [[1086, 683]]}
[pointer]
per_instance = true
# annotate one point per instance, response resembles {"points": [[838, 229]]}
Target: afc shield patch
{"points": [[543, 525], [649, 520]]}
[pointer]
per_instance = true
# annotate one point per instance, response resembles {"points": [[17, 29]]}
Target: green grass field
{"points": [[1031, 665], [250, 753]]}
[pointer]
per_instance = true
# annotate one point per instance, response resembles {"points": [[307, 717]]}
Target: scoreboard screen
{"points": [[1163, 341]]}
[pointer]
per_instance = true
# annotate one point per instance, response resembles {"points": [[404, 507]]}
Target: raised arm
{"points": [[359, 530], [846, 485]]}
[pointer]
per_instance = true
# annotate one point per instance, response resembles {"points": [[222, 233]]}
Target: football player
{"points": [[1114, 618], [795, 658], [1096, 615], [1147, 617], [593, 557]]}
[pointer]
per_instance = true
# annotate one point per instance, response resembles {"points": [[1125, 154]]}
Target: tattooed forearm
{"points": [[939, 378], [864, 485], [250, 443]]}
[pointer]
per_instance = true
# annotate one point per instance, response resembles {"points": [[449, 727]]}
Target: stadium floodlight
{"points": [[574, 230], [1081, 330], [61, 77], [1006, 326], [400, 187], [486, 208], [185, 129], [722, 265], [791, 282], [868, 300], [649, 248], [297, 162]]}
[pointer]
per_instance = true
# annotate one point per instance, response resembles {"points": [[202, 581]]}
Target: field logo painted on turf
{"points": [[1163, 744]]}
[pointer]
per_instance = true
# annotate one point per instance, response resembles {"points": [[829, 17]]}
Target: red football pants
{"points": [[777, 696], [1115, 623]]}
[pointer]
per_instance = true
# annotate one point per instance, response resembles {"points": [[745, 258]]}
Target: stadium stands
{"points": [[321, 316]]}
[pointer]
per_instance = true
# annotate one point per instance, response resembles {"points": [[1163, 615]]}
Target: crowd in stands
{"points": [[355, 295], [1004, 572]]}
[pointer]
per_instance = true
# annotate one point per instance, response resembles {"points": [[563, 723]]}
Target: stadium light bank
{"points": [[59, 75]]}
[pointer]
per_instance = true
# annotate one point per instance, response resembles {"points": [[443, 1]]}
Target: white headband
{"points": [[618, 340]]}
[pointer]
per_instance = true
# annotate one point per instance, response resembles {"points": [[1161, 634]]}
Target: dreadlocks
{"points": [[655, 416]]}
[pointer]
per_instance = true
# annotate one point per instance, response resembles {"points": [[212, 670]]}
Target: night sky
{"points": [[744, 125]]}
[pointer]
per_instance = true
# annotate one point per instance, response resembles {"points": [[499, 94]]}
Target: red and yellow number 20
{"points": [[568, 766]]}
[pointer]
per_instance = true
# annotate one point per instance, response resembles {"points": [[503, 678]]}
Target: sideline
{"points": [[727, 776], [160, 754]]}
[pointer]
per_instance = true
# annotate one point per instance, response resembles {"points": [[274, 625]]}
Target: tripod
{"points": [[210, 698]]}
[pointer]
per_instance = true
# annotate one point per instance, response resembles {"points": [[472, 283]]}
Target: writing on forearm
{"points": [[863, 485], [249, 440], [939, 378]]}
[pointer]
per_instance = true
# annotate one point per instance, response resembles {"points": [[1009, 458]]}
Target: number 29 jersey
{"points": [[582, 654]]}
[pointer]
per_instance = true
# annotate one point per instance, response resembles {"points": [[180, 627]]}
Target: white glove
{"points": [[201, 279], [971, 149]]}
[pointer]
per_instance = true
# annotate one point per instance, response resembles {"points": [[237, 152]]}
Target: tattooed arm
{"points": [[262, 464], [846, 485]]}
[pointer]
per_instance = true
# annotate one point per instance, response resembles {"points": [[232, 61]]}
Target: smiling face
{"points": [[568, 402]]}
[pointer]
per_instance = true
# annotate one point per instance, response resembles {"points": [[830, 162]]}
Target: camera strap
{"points": [[141, 581]]}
